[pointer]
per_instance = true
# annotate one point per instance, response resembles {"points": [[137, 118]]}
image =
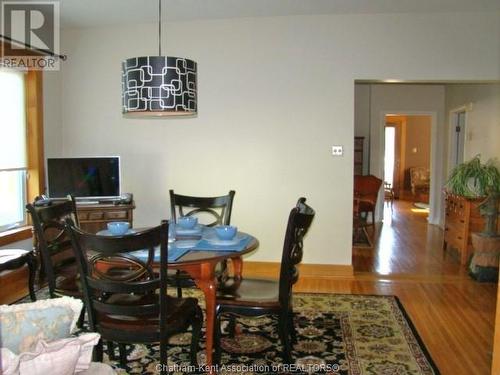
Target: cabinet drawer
{"points": [[96, 215], [83, 216], [455, 227], [116, 215]]}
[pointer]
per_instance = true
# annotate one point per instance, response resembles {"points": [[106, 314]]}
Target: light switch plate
{"points": [[337, 150]]}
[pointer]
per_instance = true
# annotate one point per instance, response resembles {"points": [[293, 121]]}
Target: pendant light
{"points": [[157, 86]]}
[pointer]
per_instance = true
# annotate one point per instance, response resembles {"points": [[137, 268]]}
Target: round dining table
{"points": [[200, 265], [199, 260]]}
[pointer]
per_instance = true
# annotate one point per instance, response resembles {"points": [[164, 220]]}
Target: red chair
{"points": [[366, 190]]}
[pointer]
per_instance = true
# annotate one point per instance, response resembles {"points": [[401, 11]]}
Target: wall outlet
{"points": [[337, 150]]}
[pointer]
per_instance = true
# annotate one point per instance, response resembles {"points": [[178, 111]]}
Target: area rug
{"points": [[422, 205], [336, 334], [361, 239]]}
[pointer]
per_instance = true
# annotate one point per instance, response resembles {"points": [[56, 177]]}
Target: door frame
{"points": [[436, 165]]}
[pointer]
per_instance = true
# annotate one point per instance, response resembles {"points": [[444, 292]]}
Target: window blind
{"points": [[12, 121]]}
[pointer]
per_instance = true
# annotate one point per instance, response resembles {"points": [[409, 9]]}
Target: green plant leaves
{"points": [[472, 179]]}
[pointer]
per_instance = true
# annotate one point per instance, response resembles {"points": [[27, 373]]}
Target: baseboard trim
{"points": [[317, 271]]}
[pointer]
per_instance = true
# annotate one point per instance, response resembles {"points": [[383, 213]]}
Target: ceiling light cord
{"points": [[159, 27]]}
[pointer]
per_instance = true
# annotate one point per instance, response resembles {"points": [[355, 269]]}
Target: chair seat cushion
{"points": [[251, 292], [180, 313]]}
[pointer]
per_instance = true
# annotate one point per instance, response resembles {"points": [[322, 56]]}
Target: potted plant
{"points": [[475, 180]]}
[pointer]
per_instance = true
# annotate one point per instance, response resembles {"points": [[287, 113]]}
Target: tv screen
{"points": [[83, 177]]}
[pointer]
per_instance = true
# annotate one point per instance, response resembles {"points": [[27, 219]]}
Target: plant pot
{"points": [[484, 262]]}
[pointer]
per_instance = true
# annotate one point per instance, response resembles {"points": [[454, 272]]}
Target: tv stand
{"points": [[86, 203], [95, 216]]}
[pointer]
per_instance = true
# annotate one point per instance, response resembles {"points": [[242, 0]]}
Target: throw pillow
{"points": [[60, 357], [23, 325]]}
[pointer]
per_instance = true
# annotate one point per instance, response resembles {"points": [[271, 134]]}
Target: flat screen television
{"points": [[90, 177]]}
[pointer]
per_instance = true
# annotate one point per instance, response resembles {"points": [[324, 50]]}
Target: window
{"points": [[13, 155], [389, 155]]}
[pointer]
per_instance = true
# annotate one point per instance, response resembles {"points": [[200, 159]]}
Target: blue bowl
{"points": [[118, 228], [226, 232], [187, 222]]}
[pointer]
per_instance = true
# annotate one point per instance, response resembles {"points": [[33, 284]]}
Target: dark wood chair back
{"points": [[299, 221], [108, 269], [51, 240], [218, 209]]}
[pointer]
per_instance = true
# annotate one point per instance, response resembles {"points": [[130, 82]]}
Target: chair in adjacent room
{"points": [[53, 246], [389, 193], [211, 211], [420, 181], [256, 297], [126, 300], [366, 190]]}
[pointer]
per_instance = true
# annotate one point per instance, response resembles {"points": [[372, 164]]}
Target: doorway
{"points": [[407, 157]]}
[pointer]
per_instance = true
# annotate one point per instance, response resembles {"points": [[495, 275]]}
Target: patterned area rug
{"points": [[337, 334], [361, 239]]}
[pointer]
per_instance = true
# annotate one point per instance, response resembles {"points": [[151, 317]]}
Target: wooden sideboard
{"points": [[94, 218], [462, 217]]}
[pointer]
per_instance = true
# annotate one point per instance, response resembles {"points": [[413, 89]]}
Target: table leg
{"points": [[30, 260], [237, 269], [204, 277]]}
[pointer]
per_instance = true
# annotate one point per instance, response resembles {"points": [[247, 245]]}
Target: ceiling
{"points": [[95, 13]]}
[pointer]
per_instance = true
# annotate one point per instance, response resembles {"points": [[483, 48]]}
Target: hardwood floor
{"points": [[453, 314], [406, 244]]}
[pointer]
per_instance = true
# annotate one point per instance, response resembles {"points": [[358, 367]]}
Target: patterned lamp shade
{"points": [[159, 86]]}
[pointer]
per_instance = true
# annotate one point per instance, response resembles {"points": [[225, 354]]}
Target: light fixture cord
{"points": [[159, 27]]}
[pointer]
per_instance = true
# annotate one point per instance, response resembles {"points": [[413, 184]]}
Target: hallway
{"points": [[407, 246]]}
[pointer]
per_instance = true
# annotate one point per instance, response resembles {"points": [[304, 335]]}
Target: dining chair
{"points": [[125, 299], [256, 297], [53, 246], [389, 193], [366, 190], [211, 211], [58, 263]]}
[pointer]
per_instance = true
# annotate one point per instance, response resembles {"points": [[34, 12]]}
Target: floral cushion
{"points": [[23, 325]]}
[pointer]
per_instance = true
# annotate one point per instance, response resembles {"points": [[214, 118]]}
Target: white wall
{"points": [[482, 104], [274, 95]]}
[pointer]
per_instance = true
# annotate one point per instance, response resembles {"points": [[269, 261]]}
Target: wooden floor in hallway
{"points": [[405, 244], [453, 314]]}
